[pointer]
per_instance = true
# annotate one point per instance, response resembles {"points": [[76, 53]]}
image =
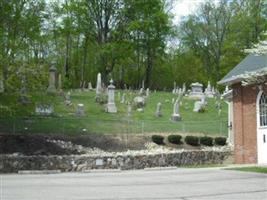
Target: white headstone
{"points": [[90, 86], [158, 111], [111, 107], [176, 112], [80, 110], [208, 91], [147, 92], [98, 85]]}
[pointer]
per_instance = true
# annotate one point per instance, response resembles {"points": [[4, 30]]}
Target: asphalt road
{"points": [[178, 184]]}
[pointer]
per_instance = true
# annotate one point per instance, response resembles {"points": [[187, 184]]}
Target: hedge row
{"points": [[191, 140]]}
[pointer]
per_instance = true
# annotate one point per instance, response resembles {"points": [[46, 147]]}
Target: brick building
{"points": [[248, 81]]}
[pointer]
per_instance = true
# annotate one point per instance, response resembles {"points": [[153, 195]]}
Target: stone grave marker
{"points": [[111, 107]]}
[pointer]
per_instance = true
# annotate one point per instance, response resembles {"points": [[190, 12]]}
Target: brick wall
{"points": [[245, 123]]}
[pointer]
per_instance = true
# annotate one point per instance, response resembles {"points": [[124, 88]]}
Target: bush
{"points": [[158, 139], [207, 141], [220, 141], [175, 139], [192, 140]]}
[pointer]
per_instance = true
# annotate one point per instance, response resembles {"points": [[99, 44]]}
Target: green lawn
{"points": [[98, 121], [251, 169]]}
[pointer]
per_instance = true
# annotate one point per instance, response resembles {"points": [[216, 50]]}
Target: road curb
{"points": [[101, 170], [160, 168], [39, 171]]}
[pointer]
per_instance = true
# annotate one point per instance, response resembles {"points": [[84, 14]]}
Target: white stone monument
{"points": [[59, 82], [196, 90], [158, 111], [90, 86], [68, 99], [98, 86], [111, 107], [208, 91], [176, 112]]}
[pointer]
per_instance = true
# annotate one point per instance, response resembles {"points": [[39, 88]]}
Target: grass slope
{"points": [[98, 121]]}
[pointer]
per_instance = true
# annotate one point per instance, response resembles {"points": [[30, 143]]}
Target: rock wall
{"points": [[14, 163]]}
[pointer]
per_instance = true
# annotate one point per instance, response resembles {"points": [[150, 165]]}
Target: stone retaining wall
{"points": [[14, 163]]}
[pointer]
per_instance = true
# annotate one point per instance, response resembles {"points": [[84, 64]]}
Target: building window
{"points": [[263, 110]]}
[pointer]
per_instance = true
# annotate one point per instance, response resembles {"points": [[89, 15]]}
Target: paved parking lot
{"points": [[178, 184]]}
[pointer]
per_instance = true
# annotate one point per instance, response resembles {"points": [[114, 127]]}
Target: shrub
{"points": [[207, 141], [175, 139], [158, 139], [220, 141], [192, 140]]}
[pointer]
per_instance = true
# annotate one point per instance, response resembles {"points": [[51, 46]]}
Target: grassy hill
{"points": [[97, 120]]}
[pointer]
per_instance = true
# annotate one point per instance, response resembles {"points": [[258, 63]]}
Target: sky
{"points": [[183, 8]]}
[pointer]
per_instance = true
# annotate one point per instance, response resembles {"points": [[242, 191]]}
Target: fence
{"points": [[88, 125]]}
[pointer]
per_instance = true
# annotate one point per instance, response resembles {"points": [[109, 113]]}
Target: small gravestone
{"points": [[111, 107], [44, 109], [176, 114], [90, 88], [52, 79], [158, 110], [68, 99], [199, 106], [139, 102], [80, 110], [184, 88]]}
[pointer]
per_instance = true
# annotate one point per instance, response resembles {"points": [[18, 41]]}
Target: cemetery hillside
{"points": [[64, 119], [99, 76]]}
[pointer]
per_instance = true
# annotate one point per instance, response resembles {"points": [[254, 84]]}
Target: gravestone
{"points": [[199, 106], [196, 90], [90, 87], [98, 87], [68, 99], [44, 109], [176, 112], [80, 110], [184, 88], [158, 111], [111, 107], [139, 102], [52, 79], [208, 91]]}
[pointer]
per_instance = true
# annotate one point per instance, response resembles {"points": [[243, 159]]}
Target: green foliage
{"points": [[206, 140], [192, 140], [175, 139], [158, 139], [220, 141]]}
